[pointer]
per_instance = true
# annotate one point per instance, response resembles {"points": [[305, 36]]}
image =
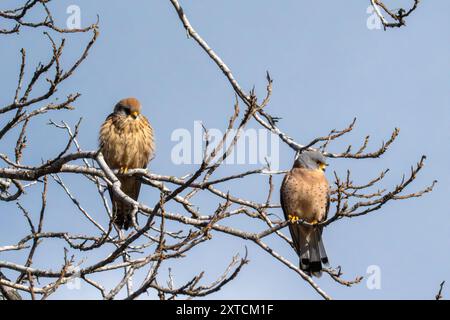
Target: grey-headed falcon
{"points": [[305, 196], [126, 142]]}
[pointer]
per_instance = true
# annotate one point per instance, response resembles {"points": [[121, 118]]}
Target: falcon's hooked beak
{"points": [[323, 166], [135, 114]]}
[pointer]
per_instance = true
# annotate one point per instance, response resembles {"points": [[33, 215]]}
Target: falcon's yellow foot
{"points": [[314, 222], [293, 219], [123, 170]]}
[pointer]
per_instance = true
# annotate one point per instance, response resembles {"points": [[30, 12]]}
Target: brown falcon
{"points": [[305, 196], [126, 142]]}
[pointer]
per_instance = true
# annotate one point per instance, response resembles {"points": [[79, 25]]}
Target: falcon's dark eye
{"points": [[127, 111]]}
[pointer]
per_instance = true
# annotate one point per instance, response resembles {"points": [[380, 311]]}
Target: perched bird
{"points": [[305, 195], [126, 142]]}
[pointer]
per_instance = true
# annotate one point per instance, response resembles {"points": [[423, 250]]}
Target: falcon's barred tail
{"points": [[121, 211], [311, 250]]}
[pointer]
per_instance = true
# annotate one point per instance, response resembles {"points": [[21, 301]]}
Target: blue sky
{"points": [[328, 68]]}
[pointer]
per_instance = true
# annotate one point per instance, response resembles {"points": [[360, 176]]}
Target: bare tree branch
{"points": [[160, 236]]}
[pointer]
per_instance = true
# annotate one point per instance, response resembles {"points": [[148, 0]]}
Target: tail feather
{"points": [[311, 250], [121, 211], [323, 253]]}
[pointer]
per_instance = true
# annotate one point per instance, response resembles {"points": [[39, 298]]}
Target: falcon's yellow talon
{"points": [[293, 219], [123, 170]]}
